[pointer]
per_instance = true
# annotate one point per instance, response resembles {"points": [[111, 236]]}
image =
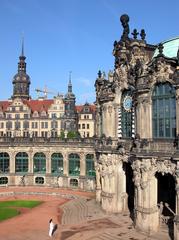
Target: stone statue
{"points": [[124, 20]]}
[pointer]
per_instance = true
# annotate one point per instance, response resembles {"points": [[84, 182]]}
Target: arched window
{"points": [[21, 162], [3, 180], [90, 170], [74, 164], [39, 163], [4, 162], [73, 182], [164, 111], [57, 163], [126, 114], [39, 180]]}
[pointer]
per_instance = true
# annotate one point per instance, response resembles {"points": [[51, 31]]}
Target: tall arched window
{"points": [[74, 164], [39, 163], [21, 165], [57, 163], [4, 162], [164, 111], [126, 114], [90, 170]]}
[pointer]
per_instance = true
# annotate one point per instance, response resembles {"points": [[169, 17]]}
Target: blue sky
{"points": [[73, 35]]}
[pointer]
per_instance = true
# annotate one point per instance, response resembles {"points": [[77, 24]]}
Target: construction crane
{"points": [[45, 91]]}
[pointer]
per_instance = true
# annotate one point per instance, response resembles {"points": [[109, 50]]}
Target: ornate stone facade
{"points": [[138, 127]]}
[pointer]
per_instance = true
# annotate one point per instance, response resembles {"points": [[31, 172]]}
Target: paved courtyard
{"points": [[76, 214]]}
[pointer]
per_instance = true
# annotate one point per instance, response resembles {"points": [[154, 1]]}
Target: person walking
{"points": [[51, 227]]}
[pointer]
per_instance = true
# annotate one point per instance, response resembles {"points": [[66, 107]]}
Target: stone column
{"points": [[82, 165], [82, 171], [30, 164], [120, 189], [98, 182], [12, 162], [48, 163], [65, 169], [12, 168], [65, 164], [147, 214]]}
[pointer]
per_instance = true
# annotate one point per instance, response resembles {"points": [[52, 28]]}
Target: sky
{"points": [[73, 35]]}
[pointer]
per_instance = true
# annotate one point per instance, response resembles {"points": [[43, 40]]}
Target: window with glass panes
{"points": [[39, 180], [3, 180], [126, 118], [73, 182], [21, 162], [90, 170], [39, 163], [4, 162], [54, 124], [74, 164], [164, 111], [57, 163]]}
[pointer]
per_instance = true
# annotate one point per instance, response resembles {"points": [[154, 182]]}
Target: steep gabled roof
{"points": [[39, 105], [4, 105], [80, 108]]}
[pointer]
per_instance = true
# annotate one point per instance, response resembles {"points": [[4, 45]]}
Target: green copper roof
{"points": [[170, 48]]}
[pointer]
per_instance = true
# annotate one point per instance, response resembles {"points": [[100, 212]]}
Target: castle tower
{"points": [[70, 117], [21, 81]]}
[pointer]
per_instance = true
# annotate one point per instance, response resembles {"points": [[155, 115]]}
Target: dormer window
{"points": [[43, 114], [86, 109], [35, 114], [1, 115]]}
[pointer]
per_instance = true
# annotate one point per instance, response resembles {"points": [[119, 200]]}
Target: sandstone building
{"points": [[36, 138], [135, 135], [138, 126]]}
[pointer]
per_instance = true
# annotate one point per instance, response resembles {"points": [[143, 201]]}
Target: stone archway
{"points": [[166, 200], [129, 187]]}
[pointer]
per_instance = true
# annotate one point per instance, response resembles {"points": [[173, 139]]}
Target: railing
{"points": [[21, 140], [162, 218], [102, 143]]}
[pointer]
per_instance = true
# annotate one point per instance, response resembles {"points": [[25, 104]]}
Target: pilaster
{"points": [[65, 164], [48, 162], [12, 162]]}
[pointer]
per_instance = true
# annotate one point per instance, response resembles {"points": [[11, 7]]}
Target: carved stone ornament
{"points": [[162, 73], [144, 169]]}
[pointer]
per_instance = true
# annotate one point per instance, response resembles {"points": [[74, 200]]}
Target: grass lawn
{"points": [[8, 208]]}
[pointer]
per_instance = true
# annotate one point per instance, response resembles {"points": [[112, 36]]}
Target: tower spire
{"points": [[70, 84], [21, 80], [22, 53], [22, 63]]}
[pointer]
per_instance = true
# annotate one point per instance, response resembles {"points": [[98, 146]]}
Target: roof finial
{"points": [[160, 49], [125, 23], [70, 84], [70, 72], [22, 53]]}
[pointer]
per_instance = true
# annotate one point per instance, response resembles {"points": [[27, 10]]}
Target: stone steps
{"points": [[107, 236], [74, 211]]}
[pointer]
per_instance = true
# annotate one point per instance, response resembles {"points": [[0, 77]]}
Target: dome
{"points": [[170, 48], [21, 77]]}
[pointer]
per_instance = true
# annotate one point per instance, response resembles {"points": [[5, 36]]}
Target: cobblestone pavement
{"points": [[77, 215]]}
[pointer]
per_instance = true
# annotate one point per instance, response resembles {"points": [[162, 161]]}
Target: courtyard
{"points": [[75, 212]]}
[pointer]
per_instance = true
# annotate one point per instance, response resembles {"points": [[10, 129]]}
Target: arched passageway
{"points": [[166, 192], [166, 199], [129, 187]]}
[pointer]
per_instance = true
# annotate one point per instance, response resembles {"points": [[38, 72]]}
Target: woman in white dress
{"points": [[51, 227]]}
